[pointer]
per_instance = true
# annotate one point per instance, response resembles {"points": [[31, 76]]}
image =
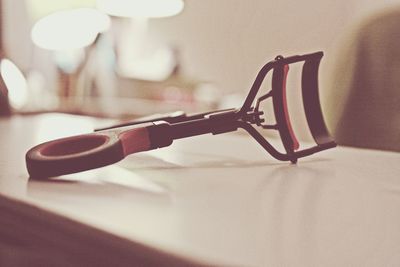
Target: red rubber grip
{"points": [[295, 142]]}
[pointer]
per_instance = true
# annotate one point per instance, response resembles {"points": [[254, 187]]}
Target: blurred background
{"points": [[127, 58]]}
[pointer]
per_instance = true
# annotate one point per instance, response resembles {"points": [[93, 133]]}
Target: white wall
{"points": [[228, 40]]}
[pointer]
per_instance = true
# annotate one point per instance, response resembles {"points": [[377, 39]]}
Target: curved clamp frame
{"points": [[312, 107]]}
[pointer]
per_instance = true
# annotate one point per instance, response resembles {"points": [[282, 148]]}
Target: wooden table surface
{"points": [[221, 200]]}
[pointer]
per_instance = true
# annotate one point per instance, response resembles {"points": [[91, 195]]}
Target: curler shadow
{"points": [[207, 161]]}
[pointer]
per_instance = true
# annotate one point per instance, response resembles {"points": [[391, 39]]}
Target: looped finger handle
{"points": [[85, 152]]}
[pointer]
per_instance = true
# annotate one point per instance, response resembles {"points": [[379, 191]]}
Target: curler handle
{"points": [[88, 151]]}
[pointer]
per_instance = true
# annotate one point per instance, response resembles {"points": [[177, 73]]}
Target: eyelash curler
{"points": [[110, 145]]}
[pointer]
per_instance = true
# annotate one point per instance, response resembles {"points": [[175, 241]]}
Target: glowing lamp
{"points": [[69, 29], [141, 8], [137, 59], [15, 83]]}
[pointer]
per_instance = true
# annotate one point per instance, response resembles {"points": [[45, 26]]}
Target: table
{"points": [[220, 200]]}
